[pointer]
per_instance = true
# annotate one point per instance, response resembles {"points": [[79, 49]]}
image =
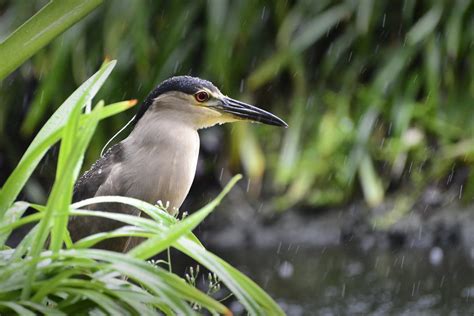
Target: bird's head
{"points": [[200, 103]]}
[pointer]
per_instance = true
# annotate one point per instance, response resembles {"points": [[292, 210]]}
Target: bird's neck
{"points": [[163, 155], [155, 123]]}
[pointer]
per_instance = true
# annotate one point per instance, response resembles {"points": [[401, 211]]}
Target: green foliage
{"points": [[376, 92], [78, 279], [390, 66]]}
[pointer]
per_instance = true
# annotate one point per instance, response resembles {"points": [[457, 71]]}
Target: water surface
{"points": [[346, 281]]}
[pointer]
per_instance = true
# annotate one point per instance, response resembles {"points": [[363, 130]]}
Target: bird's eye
{"points": [[201, 96]]}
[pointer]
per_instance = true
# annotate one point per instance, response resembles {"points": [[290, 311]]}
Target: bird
{"points": [[158, 159]]}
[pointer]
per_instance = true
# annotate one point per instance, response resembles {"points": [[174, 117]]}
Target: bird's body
{"points": [[147, 165], [157, 161]]}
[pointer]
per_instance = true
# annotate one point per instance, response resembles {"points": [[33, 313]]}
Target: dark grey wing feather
{"points": [[86, 187], [88, 184]]}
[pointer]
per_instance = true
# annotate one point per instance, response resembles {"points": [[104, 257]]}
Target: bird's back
{"points": [[88, 186], [90, 182]]}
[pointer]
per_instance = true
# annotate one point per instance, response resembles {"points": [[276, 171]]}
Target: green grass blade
{"points": [[268, 69], [255, 300], [25, 244], [42, 309], [17, 308], [125, 231], [364, 14], [144, 223], [61, 194], [12, 215], [159, 243], [39, 146], [4, 228], [107, 304], [314, 29], [147, 225], [48, 286], [158, 215], [454, 28], [47, 88], [370, 181], [39, 30], [119, 292], [153, 211], [389, 73], [425, 25]]}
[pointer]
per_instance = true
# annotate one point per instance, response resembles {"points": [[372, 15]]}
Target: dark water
{"points": [[346, 281]]}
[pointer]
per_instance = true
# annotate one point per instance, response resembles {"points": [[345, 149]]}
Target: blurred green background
{"points": [[379, 95]]}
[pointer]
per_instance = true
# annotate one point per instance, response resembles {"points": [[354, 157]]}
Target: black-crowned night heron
{"points": [[157, 161]]}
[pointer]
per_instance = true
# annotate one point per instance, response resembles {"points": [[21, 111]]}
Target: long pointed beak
{"points": [[249, 112]]}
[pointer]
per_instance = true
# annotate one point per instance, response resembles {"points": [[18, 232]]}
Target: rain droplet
{"points": [[286, 270], [436, 256]]}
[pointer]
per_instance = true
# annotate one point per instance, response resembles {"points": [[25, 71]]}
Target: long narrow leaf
{"points": [[237, 282], [12, 215], [159, 243], [39, 30], [61, 195], [28, 163], [255, 300], [17, 308]]}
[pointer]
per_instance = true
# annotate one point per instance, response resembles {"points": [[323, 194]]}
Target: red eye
{"points": [[201, 96]]}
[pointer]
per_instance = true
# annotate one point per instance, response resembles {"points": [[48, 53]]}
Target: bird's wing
{"points": [[90, 182], [89, 185]]}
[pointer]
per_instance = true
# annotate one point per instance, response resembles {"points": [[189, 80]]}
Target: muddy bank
{"points": [[445, 224]]}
